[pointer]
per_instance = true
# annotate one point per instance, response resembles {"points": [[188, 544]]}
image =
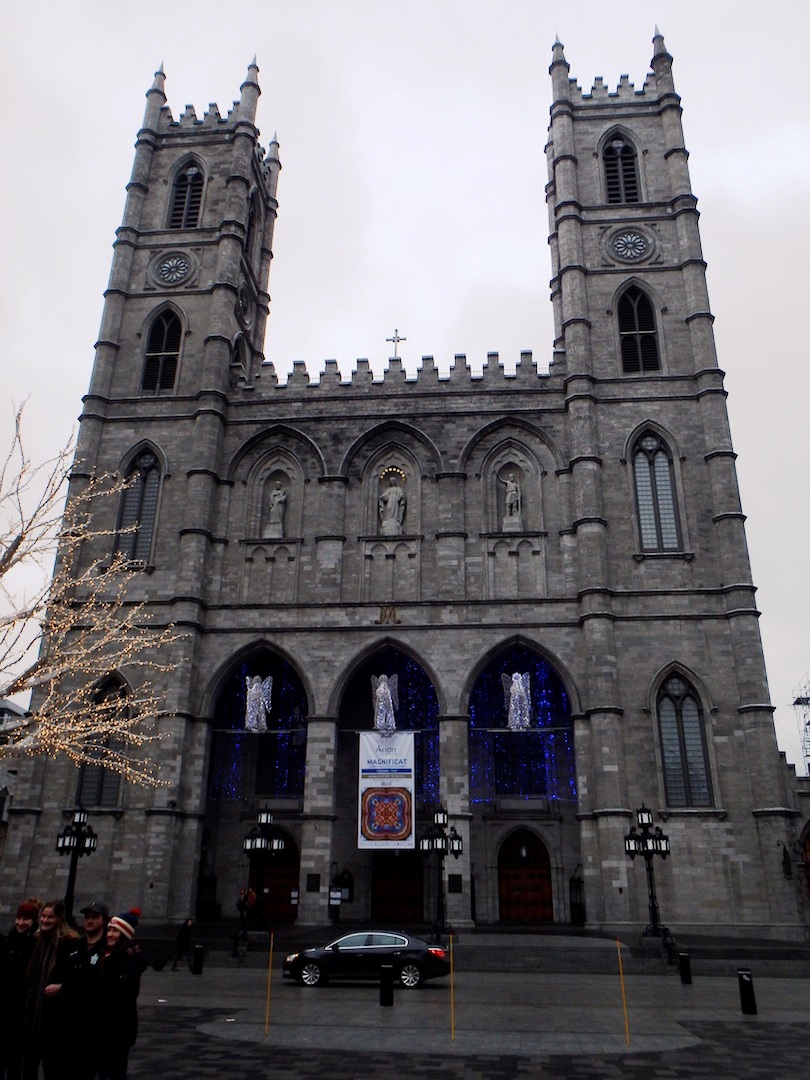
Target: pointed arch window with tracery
{"points": [[162, 354], [99, 785], [186, 202], [638, 336], [138, 511], [687, 779], [621, 170], [653, 475]]}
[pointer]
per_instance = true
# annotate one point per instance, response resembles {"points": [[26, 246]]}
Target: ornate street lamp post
{"points": [[438, 839], [76, 839], [647, 842]]}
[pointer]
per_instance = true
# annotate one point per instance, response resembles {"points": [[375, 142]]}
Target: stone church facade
{"points": [[579, 526]]}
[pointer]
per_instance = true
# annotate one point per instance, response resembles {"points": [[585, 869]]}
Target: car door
{"points": [[387, 949], [348, 956]]}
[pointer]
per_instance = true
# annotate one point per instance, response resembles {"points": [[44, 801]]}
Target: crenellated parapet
{"points": [[491, 374], [625, 91]]}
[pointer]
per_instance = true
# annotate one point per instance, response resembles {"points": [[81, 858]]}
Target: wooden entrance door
{"points": [[275, 877], [397, 886], [524, 879]]}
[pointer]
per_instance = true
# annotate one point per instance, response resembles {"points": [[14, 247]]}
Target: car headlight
{"points": [[292, 957]]}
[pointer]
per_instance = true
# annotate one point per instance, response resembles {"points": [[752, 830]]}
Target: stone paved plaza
{"points": [[506, 1025]]}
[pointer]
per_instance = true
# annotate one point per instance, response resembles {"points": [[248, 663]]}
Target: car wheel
{"points": [[311, 974], [410, 975]]}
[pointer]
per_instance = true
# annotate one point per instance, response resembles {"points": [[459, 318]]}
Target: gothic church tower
{"points": [[648, 424]]}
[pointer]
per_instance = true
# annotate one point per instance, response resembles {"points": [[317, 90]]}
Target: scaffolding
{"points": [[801, 703]]}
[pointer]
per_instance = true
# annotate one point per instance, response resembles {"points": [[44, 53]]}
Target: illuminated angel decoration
{"points": [[257, 703], [386, 701], [518, 700]]}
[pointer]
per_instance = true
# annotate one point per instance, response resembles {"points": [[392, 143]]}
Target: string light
{"points": [[66, 635]]}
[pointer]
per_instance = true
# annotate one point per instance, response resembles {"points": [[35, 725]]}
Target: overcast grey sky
{"points": [[411, 196]]}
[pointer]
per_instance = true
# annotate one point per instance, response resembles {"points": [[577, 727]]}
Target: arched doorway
{"points": [[389, 883], [524, 879], [249, 769], [274, 879]]}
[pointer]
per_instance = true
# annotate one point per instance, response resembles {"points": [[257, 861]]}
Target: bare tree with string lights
{"points": [[67, 625]]}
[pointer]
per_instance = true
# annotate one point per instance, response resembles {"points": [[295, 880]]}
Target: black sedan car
{"points": [[362, 955]]}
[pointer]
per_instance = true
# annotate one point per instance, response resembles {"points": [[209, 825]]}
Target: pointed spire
{"points": [[272, 150], [155, 99], [659, 48], [559, 70], [250, 91], [158, 86]]}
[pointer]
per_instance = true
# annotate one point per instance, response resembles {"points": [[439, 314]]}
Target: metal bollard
{"points": [[685, 968], [197, 960], [387, 984], [748, 1003]]}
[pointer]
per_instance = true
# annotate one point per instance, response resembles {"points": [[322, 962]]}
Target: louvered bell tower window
{"points": [[621, 171], [136, 522], [637, 333], [162, 352], [655, 495], [186, 199]]}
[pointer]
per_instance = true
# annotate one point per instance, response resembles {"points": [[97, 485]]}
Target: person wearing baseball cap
{"points": [[82, 989]]}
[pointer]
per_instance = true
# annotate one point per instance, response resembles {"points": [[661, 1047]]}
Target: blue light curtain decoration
{"points": [[418, 711], [532, 764], [244, 764]]}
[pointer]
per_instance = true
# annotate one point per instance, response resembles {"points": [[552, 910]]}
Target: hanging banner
{"points": [[386, 790]]}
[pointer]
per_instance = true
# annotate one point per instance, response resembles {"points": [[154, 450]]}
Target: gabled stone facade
{"points": [[580, 521]]}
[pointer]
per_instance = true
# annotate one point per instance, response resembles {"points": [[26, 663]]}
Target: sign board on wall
{"points": [[386, 790]]}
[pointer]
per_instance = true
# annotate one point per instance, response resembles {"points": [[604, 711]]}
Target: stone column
{"points": [[319, 819]]}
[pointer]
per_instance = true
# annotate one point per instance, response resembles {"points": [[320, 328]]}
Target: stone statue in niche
{"points": [[513, 505], [257, 702], [518, 700], [386, 700], [392, 508], [274, 530]]}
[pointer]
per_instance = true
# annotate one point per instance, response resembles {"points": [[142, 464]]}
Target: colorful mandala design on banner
{"points": [[386, 814]]}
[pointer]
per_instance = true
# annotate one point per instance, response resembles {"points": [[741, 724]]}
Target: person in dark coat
{"points": [[182, 944], [82, 991], [15, 956], [123, 965], [46, 1037]]}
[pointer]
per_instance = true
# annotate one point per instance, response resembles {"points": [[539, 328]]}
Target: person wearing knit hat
{"points": [[126, 923], [15, 955], [124, 963]]}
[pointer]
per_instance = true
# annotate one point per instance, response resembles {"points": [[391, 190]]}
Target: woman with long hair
{"points": [[42, 1034]]}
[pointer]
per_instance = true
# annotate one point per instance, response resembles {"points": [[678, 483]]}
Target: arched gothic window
{"points": [[637, 333], [687, 779], [621, 170], [654, 480], [99, 786], [162, 353], [186, 198], [136, 518]]}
